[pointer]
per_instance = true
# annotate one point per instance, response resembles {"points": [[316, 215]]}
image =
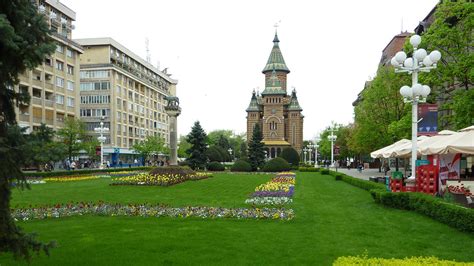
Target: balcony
{"points": [[60, 106], [48, 86], [60, 123], [37, 101], [24, 117], [48, 103], [38, 120], [71, 109], [59, 89], [37, 83], [48, 68]]}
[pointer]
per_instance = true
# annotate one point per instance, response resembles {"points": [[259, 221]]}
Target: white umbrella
{"points": [[379, 153], [461, 142], [394, 152], [405, 150]]}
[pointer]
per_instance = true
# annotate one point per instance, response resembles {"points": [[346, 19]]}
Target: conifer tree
{"points": [[256, 153], [24, 43], [197, 153]]}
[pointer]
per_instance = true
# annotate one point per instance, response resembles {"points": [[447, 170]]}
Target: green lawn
{"points": [[332, 219]]}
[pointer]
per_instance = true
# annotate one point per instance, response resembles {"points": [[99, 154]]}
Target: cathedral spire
{"points": [[253, 106], [273, 85], [294, 104], [275, 60]]}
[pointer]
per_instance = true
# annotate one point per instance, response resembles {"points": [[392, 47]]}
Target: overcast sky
{"points": [[217, 49]]}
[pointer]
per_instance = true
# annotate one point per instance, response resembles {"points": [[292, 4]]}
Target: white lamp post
{"points": [[305, 151], [421, 62], [230, 153], [310, 151], [316, 146], [101, 139], [332, 138]]}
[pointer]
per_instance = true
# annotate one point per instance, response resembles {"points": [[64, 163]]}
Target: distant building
{"points": [[54, 84], [277, 113], [127, 91]]}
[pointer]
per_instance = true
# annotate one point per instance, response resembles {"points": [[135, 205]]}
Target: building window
{"points": [[59, 48], [60, 82], [59, 65], [70, 85], [69, 53], [70, 102], [70, 70], [90, 86], [59, 99], [94, 74]]}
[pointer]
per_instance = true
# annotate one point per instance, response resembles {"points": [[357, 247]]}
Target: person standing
{"points": [[73, 165]]}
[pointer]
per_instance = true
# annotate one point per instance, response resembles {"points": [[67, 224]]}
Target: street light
{"points": [[421, 62], [332, 138], [101, 139], [310, 152], [230, 153], [305, 151], [316, 146]]}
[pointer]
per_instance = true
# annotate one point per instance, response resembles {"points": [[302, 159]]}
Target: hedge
{"points": [[324, 171], [364, 184], [451, 214], [364, 260], [308, 169], [241, 166], [86, 171], [215, 166], [276, 165]]}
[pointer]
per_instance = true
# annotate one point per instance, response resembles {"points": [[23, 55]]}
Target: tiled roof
{"points": [[253, 106], [294, 104], [275, 60], [273, 86]]}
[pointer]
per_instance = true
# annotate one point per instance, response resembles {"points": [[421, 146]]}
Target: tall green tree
{"points": [[90, 146], [24, 43], [72, 135], [462, 105], [197, 152], [381, 117], [151, 145], [243, 150], [42, 147], [255, 150]]}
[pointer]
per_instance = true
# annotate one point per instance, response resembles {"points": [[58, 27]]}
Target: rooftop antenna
{"points": [[147, 44]]}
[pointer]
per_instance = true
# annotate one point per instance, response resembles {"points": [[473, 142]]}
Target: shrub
{"points": [[215, 166], [291, 156], [214, 154], [241, 166], [308, 169], [364, 184], [172, 170], [276, 165], [456, 216], [324, 171]]}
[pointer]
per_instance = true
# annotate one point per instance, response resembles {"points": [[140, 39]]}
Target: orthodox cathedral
{"points": [[277, 113]]}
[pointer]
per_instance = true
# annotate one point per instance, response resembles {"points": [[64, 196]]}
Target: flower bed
{"points": [[277, 191], [70, 178], [147, 210], [124, 173], [147, 179]]}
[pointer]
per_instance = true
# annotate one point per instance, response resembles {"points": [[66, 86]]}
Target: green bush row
{"points": [[276, 165], [308, 169], [324, 171], [86, 171], [364, 184], [241, 166], [215, 166], [454, 215]]}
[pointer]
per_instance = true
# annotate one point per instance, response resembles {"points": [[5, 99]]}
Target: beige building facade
{"points": [[127, 92], [277, 113], [53, 85]]}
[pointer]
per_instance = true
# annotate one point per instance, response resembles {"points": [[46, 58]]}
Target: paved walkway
{"points": [[364, 174]]}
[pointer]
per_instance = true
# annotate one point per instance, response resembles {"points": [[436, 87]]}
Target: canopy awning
{"points": [[380, 152], [460, 142]]}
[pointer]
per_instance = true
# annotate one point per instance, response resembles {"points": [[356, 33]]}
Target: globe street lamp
{"points": [[420, 62], [310, 152], [316, 146], [332, 138], [230, 153], [101, 139]]}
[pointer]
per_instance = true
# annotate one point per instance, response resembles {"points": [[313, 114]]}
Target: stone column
{"points": [[173, 110]]}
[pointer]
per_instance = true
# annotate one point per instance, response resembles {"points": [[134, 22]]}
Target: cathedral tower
{"points": [[277, 113]]}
